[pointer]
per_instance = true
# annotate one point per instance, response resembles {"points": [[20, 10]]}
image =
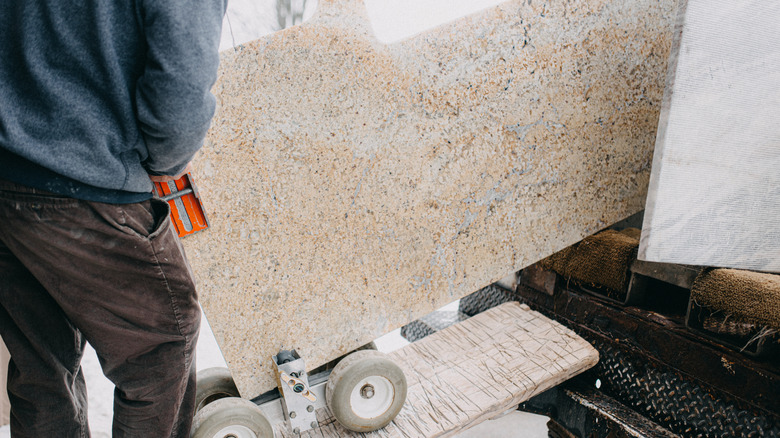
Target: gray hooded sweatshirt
{"points": [[97, 94]]}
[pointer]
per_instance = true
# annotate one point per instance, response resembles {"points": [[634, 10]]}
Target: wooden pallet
{"points": [[473, 371]]}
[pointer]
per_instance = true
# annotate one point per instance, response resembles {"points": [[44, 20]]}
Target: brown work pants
{"points": [[115, 276]]}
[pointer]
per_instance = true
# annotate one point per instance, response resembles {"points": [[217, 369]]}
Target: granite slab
{"points": [[354, 186], [715, 188]]}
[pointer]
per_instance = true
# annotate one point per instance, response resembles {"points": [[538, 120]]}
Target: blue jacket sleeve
{"points": [[174, 101]]}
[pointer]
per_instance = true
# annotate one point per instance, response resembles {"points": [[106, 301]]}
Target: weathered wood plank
{"points": [[474, 370], [714, 197]]}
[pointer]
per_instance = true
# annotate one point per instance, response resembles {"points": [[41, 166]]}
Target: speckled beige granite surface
{"points": [[354, 186]]}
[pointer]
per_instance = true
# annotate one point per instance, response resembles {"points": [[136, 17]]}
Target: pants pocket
{"points": [[144, 220], [161, 212]]}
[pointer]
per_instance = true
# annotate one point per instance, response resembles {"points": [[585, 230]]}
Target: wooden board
{"points": [[473, 371], [714, 196], [353, 186]]}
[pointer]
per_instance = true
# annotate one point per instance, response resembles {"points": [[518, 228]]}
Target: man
{"points": [[96, 96]]}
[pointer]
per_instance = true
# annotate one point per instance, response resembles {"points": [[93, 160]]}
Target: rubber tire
{"points": [[230, 411], [213, 384], [348, 373]]}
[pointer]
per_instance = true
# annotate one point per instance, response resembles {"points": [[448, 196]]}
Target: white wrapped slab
{"points": [[714, 195], [354, 186]]}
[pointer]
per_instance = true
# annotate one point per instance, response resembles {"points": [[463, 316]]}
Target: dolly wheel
{"points": [[366, 391], [231, 417], [213, 384]]}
